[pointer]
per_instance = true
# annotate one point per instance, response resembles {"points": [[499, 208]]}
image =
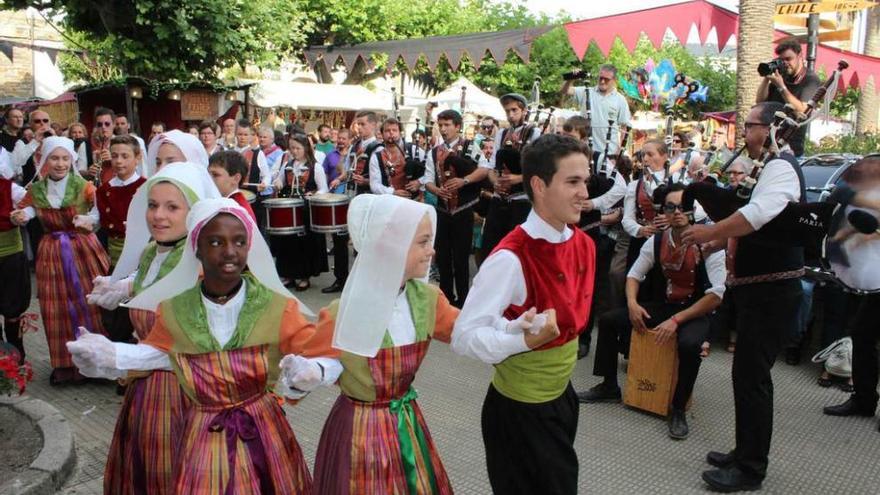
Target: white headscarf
{"points": [[52, 143], [189, 145], [5, 164], [382, 228], [185, 275], [192, 179]]}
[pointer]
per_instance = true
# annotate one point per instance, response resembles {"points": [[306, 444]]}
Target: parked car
{"points": [[822, 173]]}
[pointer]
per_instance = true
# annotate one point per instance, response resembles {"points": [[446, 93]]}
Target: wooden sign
{"points": [[198, 105], [820, 7]]}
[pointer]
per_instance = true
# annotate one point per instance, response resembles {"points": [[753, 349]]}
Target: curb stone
{"points": [[55, 462]]}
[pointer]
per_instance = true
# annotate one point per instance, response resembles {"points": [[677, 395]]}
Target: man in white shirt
{"points": [[530, 414], [764, 284], [357, 174], [605, 107], [694, 286], [387, 173]]}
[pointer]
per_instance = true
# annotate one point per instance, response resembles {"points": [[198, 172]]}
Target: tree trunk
{"points": [[869, 102], [754, 44]]}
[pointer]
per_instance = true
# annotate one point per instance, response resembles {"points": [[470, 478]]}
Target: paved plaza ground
{"points": [[621, 451]]}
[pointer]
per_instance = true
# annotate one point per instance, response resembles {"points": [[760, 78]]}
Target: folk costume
{"points": [[301, 257], [15, 291], [142, 452], [235, 438], [111, 202], [375, 440], [530, 413], [69, 258], [258, 172], [455, 217], [189, 145]]}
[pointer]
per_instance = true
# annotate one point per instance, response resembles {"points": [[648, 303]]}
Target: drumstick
{"points": [[250, 184]]}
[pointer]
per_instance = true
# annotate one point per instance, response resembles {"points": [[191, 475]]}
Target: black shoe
{"points": [[730, 479], [720, 459], [600, 393], [336, 287], [678, 425], [849, 408], [583, 351], [793, 356]]}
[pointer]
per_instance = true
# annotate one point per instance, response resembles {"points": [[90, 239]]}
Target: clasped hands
{"points": [[537, 328], [662, 332]]}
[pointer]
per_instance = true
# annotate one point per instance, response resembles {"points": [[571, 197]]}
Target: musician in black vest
{"points": [[259, 176], [357, 172], [509, 206], [764, 283], [388, 165], [694, 286], [452, 174]]}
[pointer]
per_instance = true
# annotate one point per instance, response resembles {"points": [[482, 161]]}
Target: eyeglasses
{"points": [[735, 172], [104, 124], [676, 141], [749, 125], [604, 79], [40, 121], [490, 126], [672, 207]]}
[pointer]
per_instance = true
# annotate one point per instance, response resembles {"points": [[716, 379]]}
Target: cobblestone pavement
{"points": [[620, 450]]}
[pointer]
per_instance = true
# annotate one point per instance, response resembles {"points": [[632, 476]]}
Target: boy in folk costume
{"points": [[15, 291], [531, 411], [69, 254], [227, 169], [375, 439], [141, 456], [223, 337]]}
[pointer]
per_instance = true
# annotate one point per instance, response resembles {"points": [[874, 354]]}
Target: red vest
{"points": [[644, 204], [558, 276], [679, 268], [113, 205], [239, 198], [6, 205], [396, 174]]}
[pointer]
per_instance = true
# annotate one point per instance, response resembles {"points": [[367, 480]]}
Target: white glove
{"points": [[298, 376], [84, 222], [528, 321], [108, 294], [94, 355]]}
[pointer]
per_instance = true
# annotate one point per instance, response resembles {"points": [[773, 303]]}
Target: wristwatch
{"points": [[467, 181]]}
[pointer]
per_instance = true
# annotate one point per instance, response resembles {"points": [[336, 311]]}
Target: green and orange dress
{"points": [[375, 440], [141, 455], [235, 438]]}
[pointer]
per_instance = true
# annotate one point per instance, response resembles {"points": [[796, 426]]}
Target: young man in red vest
{"points": [[15, 291], [544, 266]]}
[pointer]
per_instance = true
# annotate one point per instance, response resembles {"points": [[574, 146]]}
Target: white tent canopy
{"points": [[476, 100], [300, 95]]}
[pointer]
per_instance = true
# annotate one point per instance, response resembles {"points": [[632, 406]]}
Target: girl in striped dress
{"points": [[141, 456], [223, 337], [375, 440], [69, 255]]}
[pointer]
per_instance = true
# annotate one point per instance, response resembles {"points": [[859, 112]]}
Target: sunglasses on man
{"points": [[40, 121], [671, 208]]}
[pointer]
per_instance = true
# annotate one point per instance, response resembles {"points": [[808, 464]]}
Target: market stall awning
{"points": [[680, 17], [475, 45], [298, 95], [477, 101]]}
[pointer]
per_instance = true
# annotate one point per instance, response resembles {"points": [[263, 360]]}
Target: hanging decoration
{"points": [[660, 85]]}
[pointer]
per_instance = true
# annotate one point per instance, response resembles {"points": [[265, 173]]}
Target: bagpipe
{"points": [[800, 223], [458, 164]]}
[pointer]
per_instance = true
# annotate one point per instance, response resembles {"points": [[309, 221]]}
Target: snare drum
{"points": [[329, 213], [250, 196], [285, 216]]}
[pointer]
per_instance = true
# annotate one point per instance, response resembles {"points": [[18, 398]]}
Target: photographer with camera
{"points": [[788, 81]]}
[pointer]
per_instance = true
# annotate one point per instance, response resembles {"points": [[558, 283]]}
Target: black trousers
{"points": [[455, 236], [530, 447], [764, 317], [601, 282], [503, 216], [340, 257], [866, 332], [615, 330], [15, 296]]}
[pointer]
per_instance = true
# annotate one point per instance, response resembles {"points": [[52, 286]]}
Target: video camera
{"points": [[575, 75], [767, 68]]}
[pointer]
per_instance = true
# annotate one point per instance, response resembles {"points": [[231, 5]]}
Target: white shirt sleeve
{"points": [[580, 98], [321, 179], [630, 225], [479, 331], [777, 186], [18, 194], [21, 153], [82, 159], [376, 186], [141, 357], [644, 262], [263, 165], [716, 270], [611, 196], [430, 170]]}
